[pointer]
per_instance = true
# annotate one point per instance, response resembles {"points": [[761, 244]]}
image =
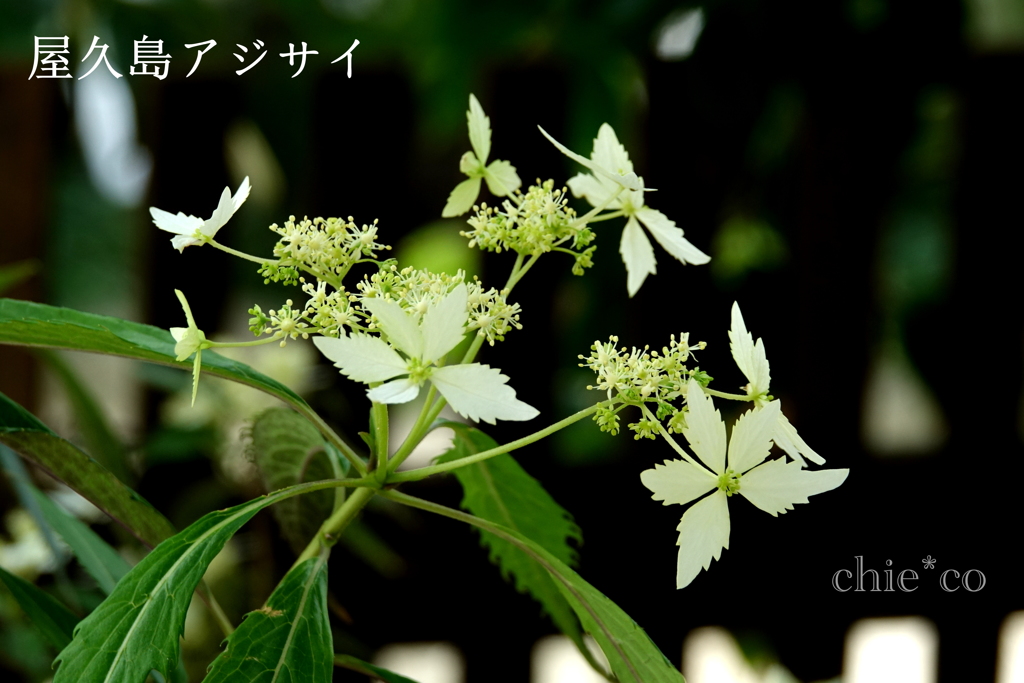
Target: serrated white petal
{"points": [[362, 357], [221, 215], [671, 237], [703, 534], [592, 189], [241, 194], [787, 438], [179, 242], [751, 439], [400, 327], [480, 393], [501, 178], [444, 324], [776, 486], [677, 482], [705, 430], [396, 391], [637, 254], [178, 333], [750, 357], [179, 224], [609, 152], [479, 129], [628, 181], [462, 198]]}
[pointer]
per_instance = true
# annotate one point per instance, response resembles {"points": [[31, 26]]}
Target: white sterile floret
{"points": [[774, 486], [753, 363], [475, 391], [637, 252], [191, 230], [500, 175], [189, 340]]}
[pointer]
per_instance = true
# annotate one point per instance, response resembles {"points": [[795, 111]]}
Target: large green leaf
{"points": [[350, 662], [27, 323], [54, 620], [289, 450], [632, 654], [22, 432], [288, 640], [25, 434], [137, 627], [501, 491], [95, 555]]}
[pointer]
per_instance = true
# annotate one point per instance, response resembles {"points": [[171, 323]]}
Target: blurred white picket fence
{"points": [[889, 650]]}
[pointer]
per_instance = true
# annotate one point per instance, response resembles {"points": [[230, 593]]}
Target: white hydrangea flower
{"points": [[190, 230], [774, 486], [189, 340], [610, 162], [475, 391], [752, 362], [500, 175]]}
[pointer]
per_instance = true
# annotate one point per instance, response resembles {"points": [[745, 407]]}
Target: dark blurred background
{"points": [[853, 168]]}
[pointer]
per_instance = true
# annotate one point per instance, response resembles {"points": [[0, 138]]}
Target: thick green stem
{"points": [[333, 527], [379, 413], [418, 431], [424, 472]]}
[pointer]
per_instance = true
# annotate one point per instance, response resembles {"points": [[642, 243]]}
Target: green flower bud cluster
{"points": [[326, 248], [532, 224], [641, 376]]}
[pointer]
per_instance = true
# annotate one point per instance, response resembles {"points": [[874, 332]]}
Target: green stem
{"points": [[668, 437], [722, 394], [585, 218], [215, 609], [418, 431], [240, 254], [332, 528], [607, 216], [424, 472], [518, 275], [379, 413], [332, 436], [224, 345]]}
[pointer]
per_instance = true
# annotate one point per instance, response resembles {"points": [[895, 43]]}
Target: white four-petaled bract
{"points": [[612, 171], [190, 230], [189, 340], [475, 391], [774, 486], [753, 363]]}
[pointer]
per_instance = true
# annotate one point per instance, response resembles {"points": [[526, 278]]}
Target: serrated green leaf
{"points": [[501, 491], [26, 323], [479, 130], [23, 433], [95, 555], [288, 640], [137, 628], [54, 620], [632, 654], [288, 450], [350, 662]]}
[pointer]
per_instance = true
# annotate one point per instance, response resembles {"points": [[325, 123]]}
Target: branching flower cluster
{"points": [[400, 331]]}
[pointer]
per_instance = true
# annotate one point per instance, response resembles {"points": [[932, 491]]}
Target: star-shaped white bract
{"points": [[500, 175], [774, 486], [752, 362], [189, 340], [475, 391], [609, 161], [190, 230]]}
